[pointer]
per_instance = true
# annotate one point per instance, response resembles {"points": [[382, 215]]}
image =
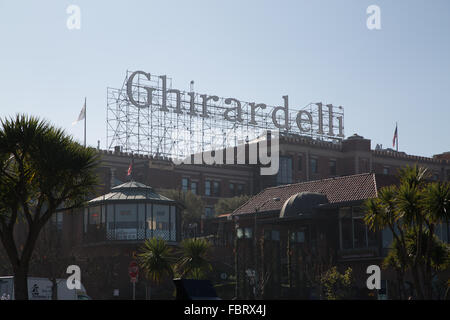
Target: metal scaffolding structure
{"points": [[173, 134]]}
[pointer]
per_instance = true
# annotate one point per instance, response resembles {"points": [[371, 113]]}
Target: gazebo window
{"points": [[141, 222], [110, 223], [161, 218], [94, 215], [172, 223], [131, 211], [125, 222]]}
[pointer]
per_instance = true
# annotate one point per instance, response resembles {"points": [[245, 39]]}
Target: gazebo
{"points": [[132, 211]]}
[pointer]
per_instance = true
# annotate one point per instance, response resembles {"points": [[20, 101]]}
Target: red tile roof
{"points": [[339, 189]]}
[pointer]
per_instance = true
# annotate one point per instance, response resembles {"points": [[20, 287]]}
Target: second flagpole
{"points": [[396, 128], [85, 116]]}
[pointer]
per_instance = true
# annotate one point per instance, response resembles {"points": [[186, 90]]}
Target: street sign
{"points": [[133, 271]]}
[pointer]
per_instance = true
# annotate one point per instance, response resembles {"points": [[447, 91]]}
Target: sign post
{"points": [[133, 272]]}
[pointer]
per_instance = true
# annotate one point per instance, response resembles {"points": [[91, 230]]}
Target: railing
{"points": [[98, 233], [366, 252]]}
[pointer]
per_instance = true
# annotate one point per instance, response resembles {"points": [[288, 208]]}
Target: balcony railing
{"points": [[366, 252], [99, 233]]}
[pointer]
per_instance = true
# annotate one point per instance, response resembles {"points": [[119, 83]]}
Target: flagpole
{"points": [[85, 115], [132, 167], [396, 128]]}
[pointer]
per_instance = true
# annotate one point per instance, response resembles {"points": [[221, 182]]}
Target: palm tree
{"points": [[436, 205], [42, 170], [156, 260], [411, 211], [194, 262]]}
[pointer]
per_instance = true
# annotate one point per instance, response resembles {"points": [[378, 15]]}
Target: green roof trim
{"points": [[131, 191]]}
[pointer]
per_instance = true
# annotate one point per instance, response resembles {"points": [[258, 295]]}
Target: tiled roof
{"points": [[339, 189]]}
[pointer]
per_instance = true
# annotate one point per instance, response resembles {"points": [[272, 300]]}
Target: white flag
{"points": [[82, 114]]}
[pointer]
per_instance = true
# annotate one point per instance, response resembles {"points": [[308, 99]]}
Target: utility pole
{"points": [[256, 288], [85, 116]]}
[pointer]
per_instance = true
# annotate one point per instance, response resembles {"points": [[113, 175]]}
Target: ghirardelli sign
{"points": [[147, 115], [315, 120]]}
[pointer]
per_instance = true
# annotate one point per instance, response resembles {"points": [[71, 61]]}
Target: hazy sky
{"points": [[250, 50]]}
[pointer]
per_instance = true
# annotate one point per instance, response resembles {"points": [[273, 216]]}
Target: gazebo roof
{"points": [[131, 191]]}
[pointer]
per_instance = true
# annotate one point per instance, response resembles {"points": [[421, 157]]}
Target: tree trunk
{"points": [[289, 261], [21, 283], [417, 284], [236, 267], [401, 284], [428, 277], [263, 269], [54, 289]]}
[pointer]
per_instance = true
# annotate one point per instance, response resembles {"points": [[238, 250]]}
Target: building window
{"points": [[332, 165], [359, 232], [442, 232], [313, 165], [300, 163], [298, 237], [345, 221], [364, 167], [248, 233], [240, 189], [236, 189], [184, 184], [386, 170], [57, 220], [386, 238], [284, 175], [354, 233], [209, 212], [194, 187], [232, 189], [383, 292], [207, 188], [216, 188], [273, 235]]}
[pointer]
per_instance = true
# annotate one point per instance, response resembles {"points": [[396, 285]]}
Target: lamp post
{"points": [[255, 243], [236, 261]]}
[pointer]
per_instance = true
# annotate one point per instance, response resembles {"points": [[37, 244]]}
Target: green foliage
{"points": [[156, 260], [159, 261], [337, 286], [193, 204], [194, 262], [412, 211], [439, 252], [42, 169], [228, 205]]}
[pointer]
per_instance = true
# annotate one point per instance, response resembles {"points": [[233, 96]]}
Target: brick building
{"points": [[302, 159], [291, 234]]}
